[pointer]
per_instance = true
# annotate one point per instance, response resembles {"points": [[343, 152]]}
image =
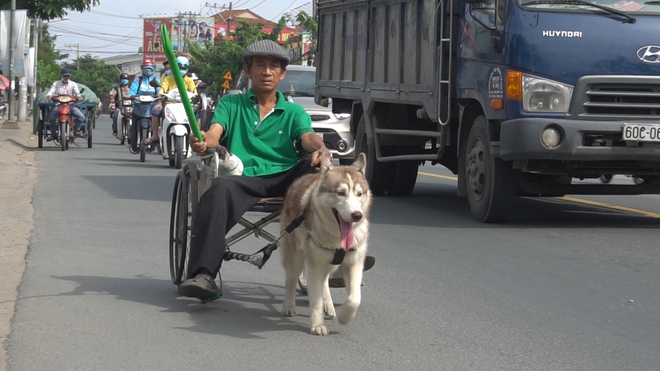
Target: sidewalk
{"points": [[17, 179]]}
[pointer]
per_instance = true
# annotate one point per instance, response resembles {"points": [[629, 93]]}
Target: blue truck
{"points": [[517, 97]]}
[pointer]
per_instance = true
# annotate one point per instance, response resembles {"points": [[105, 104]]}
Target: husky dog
{"points": [[229, 164], [335, 203]]}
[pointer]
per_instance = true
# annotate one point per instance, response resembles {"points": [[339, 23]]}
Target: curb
{"points": [[16, 218]]}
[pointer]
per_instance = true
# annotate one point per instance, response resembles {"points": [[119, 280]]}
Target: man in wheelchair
{"points": [[260, 127]]}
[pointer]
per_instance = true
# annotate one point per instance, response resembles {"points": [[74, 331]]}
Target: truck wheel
{"points": [[489, 180], [404, 176], [377, 173]]}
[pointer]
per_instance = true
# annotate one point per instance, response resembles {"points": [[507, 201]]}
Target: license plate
{"points": [[320, 135], [641, 132]]}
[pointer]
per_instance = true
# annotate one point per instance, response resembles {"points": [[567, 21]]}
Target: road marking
{"points": [[574, 200], [439, 176]]}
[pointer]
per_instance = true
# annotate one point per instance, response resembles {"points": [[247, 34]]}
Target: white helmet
{"points": [[194, 76]]}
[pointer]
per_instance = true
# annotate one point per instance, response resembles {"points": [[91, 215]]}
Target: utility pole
{"points": [[77, 53], [229, 21], [223, 7], [12, 55], [181, 27], [35, 44]]}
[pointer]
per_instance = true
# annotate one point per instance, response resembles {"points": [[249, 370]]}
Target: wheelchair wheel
{"points": [[184, 206]]}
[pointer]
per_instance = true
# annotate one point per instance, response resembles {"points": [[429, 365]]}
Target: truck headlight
{"points": [[543, 95]]}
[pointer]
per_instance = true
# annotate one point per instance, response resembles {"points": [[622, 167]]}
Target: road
{"points": [[562, 285]]}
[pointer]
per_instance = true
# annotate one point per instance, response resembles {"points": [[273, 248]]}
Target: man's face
{"points": [[65, 78], [266, 73]]}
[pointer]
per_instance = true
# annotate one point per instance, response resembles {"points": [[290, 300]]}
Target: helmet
{"points": [[265, 48], [148, 62], [183, 62], [66, 71], [148, 67], [123, 76], [194, 76]]}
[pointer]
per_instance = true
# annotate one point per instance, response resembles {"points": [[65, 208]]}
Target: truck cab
{"points": [[516, 97]]}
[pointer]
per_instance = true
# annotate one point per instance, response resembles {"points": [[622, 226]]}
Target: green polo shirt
{"points": [[265, 146]]}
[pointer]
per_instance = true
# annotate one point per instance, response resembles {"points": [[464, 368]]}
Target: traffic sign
{"points": [[228, 76], [226, 85]]}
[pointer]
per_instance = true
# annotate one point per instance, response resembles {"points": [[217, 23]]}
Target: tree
{"points": [[212, 60], [93, 72], [48, 70], [50, 9], [309, 24]]}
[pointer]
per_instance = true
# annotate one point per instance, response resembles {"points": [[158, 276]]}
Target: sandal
{"points": [[148, 141], [51, 138], [78, 134]]}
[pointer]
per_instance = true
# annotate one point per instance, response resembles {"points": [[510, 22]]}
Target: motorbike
{"points": [[174, 131], [65, 121], [141, 128], [204, 106], [126, 112], [3, 108]]}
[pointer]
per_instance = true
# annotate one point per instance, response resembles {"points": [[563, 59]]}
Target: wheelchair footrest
{"points": [[254, 259]]}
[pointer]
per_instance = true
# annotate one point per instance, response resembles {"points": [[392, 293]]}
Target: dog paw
{"points": [[346, 313], [289, 311], [329, 311], [319, 330]]}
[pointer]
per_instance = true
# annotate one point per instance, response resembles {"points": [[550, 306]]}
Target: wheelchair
{"points": [[191, 182]]}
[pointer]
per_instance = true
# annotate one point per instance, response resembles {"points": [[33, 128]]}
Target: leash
{"points": [[266, 251]]}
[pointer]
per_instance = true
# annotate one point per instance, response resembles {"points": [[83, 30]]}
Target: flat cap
{"points": [[266, 48]]}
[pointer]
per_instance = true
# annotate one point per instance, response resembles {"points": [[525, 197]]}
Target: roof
{"points": [[121, 59], [246, 15]]}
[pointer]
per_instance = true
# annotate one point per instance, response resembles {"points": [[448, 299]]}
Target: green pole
{"points": [[176, 72]]}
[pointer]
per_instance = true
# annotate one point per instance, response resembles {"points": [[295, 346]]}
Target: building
{"points": [[129, 63], [227, 20]]}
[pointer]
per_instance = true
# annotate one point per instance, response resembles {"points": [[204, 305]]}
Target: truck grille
{"points": [[623, 98]]}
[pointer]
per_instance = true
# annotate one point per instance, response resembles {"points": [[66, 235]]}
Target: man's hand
{"points": [[197, 146], [317, 156]]}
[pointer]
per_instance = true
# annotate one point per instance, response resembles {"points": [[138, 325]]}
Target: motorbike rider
{"points": [[68, 87], [142, 85], [166, 69], [115, 98], [166, 85]]}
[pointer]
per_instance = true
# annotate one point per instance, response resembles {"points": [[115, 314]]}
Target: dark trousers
{"points": [[223, 204]]}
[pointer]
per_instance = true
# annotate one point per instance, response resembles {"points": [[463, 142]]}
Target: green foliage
{"points": [[48, 70], [94, 73], [50, 9], [211, 61], [309, 24]]}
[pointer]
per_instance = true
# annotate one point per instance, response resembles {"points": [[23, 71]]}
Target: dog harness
{"points": [[340, 253]]}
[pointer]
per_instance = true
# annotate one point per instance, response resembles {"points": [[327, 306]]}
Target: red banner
{"points": [[152, 47]]}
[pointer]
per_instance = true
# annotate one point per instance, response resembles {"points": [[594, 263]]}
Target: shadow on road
{"points": [[245, 310]]}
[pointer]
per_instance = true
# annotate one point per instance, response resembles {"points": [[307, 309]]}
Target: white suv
{"points": [[299, 85]]}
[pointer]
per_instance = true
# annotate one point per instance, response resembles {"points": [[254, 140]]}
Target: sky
{"points": [[115, 26]]}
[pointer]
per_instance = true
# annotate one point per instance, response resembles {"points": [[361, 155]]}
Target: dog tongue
{"points": [[345, 234]]}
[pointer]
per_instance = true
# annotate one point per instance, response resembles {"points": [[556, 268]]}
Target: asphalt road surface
{"points": [[562, 285]]}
